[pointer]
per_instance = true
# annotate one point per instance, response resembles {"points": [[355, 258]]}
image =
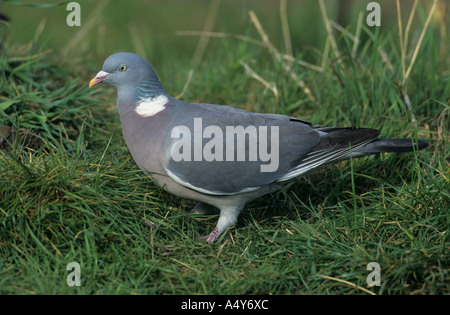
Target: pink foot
{"points": [[212, 237]]}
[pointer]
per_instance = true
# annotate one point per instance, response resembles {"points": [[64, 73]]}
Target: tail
{"points": [[338, 144], [373, 144], [392, 145]]}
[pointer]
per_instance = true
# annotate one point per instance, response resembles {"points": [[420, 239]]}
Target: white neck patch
{"points": [[148, 107]]}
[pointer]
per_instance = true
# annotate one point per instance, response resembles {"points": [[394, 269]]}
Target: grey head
{"points": [[132, 76]]}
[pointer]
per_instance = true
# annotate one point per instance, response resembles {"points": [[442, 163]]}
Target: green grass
{"points": [[80, 197]]}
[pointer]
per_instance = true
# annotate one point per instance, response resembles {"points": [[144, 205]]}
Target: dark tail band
{"points": [[393, 145]]}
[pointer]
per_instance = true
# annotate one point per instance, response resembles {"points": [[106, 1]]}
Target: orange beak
{"points": [[99, 78]]}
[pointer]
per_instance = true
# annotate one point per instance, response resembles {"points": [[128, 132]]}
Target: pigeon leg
{"points": [[228, 217], [204, 208]]}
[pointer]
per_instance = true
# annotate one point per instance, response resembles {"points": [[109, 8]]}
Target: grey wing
{"points": [[224, 151]]}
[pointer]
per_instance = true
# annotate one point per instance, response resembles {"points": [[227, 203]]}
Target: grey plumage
{"points": [[232, 174]]}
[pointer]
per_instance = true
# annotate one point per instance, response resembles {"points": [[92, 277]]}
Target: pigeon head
{"points": [[131, 75]]}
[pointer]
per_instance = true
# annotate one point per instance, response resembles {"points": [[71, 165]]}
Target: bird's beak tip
{"points": [[99, 78], [92, 82]]}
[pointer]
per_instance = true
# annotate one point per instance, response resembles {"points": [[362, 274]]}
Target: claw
{"points": [[211, 238], [227, 218]]}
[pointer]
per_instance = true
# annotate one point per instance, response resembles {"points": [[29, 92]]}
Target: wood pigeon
{"points": [[218, 155]]}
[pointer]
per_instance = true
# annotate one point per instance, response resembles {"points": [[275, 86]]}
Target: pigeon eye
{"points": [[122, 68]]}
